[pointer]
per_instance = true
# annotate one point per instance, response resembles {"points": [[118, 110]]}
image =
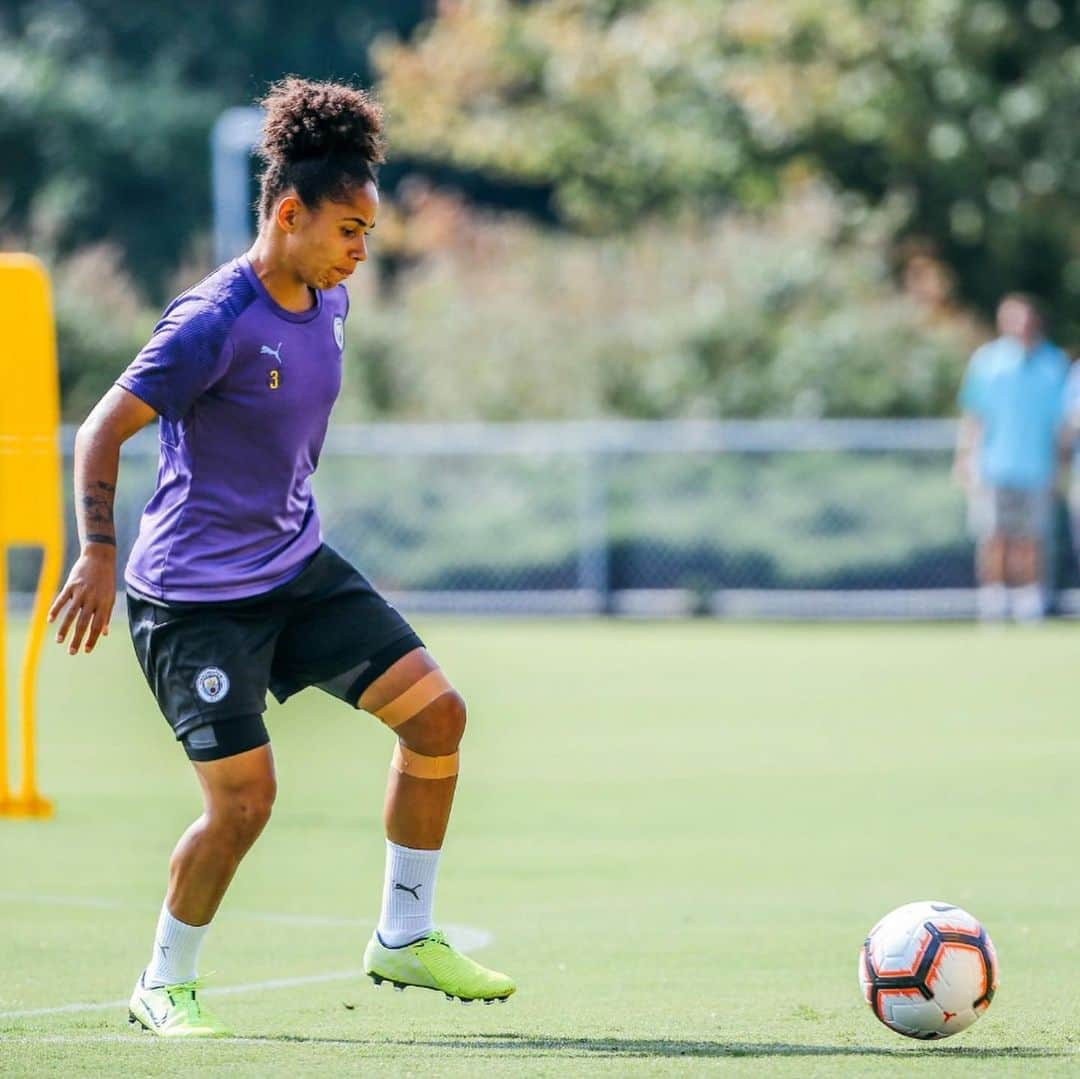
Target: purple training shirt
{"points": [[244, 390]]}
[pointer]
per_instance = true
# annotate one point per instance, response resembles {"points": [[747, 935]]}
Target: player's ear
{"points": [[287, 213]]}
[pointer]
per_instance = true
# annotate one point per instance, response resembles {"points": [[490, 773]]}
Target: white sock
{"points": [[992, 603], [408, 894], [176, 951], [1027, 603]]}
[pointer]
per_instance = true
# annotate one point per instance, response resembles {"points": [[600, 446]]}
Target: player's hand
{"points": [[87, 598]]}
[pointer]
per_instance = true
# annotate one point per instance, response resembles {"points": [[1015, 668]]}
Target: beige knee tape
{"points": [[416, 698], [413, 764]]}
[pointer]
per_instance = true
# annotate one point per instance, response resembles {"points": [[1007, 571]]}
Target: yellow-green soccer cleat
{"points": [[431, 963], [173, 1011]]}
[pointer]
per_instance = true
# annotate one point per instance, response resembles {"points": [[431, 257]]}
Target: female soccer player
{"points": [[230, 589]]}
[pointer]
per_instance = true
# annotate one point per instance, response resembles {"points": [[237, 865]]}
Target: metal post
{"points": [[235, 133], [594, 569]]}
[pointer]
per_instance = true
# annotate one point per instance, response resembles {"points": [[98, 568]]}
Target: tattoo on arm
{"points": [[97, 504]]}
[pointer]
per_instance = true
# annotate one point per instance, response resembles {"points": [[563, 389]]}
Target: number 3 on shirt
{"points": [[274, 379]]}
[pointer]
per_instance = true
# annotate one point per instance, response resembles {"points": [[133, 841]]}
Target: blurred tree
{"points": [[639, 119], [106, 108], [620, 107], [962, 112], [789, 314], [968, 112]]}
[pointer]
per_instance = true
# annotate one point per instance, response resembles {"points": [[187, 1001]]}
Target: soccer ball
{"points": [[928, 970]]}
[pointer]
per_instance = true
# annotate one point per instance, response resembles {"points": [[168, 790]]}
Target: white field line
{"points": [[250, 987], [466, 938], [463, 937], [94, 903], [134, 1039]]}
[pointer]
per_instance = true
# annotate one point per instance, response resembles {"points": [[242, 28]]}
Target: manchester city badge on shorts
{"points": [[339, 331], [212, 684]]}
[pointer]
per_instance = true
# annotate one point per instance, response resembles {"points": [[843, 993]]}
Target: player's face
{"points": [[326, 244]]}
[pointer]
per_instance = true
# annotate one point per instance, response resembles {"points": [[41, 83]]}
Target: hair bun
{"points": [[307, 119]]}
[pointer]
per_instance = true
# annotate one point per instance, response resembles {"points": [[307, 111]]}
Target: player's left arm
{"points": [[1068, 429]]}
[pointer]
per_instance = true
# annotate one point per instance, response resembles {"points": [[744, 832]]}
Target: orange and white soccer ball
{"points": [[928, 970]]}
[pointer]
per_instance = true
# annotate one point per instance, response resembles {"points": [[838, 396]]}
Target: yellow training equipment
{"points": [[417, 765], [30, 503]]}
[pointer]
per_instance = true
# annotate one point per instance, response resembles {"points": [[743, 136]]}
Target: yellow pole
{"points": [[29, 802], [5, 788], [31, 512]]}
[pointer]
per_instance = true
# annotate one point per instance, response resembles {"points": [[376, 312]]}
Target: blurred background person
{"points": [[1006, 457], [1070, 455]]}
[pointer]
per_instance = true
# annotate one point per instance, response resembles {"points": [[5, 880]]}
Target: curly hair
{"points": [[321, 139]]}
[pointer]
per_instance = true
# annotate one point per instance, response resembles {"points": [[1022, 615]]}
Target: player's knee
{"points": [[246, 821], [438, 729], [242, 813]]}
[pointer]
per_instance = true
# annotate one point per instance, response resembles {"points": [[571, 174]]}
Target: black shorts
{"points": [[208, 662]]}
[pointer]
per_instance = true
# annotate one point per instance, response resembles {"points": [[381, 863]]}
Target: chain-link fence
{"points": [[768, 518]]}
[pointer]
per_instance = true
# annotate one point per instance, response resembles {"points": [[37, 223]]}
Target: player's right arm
{"points": [[87, 598], [967, 449], [969, 430]]}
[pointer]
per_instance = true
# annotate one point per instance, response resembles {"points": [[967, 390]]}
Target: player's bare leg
{"points": [[417, 811], [428, 716], [238, 793], [1024, 572], [993, 597]]}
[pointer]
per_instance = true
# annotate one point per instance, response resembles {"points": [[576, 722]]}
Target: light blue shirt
{"points": [[1018, 398]]}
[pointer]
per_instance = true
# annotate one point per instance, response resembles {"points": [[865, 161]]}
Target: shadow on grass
{"points": [[663, 1047]]}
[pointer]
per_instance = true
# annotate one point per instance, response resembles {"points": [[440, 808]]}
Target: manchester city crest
{"points": [[211, 684], [339, 331]]}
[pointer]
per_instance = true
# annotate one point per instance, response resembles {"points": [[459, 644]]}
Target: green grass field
{"points": [[676, 836]]}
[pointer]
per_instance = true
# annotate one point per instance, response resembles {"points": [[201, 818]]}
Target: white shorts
{"points": [[1010, 512]]}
